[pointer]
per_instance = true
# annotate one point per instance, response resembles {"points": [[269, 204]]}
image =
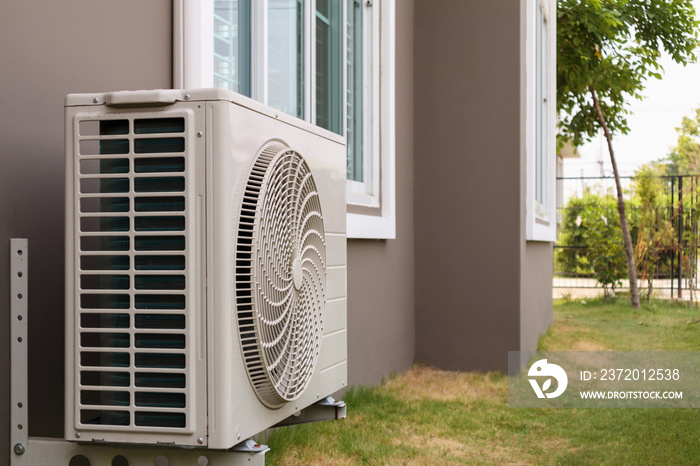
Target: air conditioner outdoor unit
{"points": [[205, 267]]}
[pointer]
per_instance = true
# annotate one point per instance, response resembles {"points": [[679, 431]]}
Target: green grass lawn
{"points": [[427, 416], [596, 325]]}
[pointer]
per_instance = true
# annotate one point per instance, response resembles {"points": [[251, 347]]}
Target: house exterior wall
{"points": [[537, 269], [47, 50], [537, 257], [475, 273], [381, 338], [457, 288]]}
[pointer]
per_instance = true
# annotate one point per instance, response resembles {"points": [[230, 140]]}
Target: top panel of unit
{"points": [[165, 97]]}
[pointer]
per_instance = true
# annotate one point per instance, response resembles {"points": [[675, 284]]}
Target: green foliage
{"points": [[684, 159], [606, 50], [589, 233], [656, 233], [614, 46], [649, 185], [592, 227]]}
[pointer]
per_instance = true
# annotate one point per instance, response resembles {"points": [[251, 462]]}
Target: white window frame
{"points": [[540, 227], [372, 208], [366, 193]]}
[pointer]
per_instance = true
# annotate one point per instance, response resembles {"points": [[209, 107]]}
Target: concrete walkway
{"points": [[589, 288]]}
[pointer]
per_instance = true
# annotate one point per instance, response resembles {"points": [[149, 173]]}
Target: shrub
{"points": [[591, 229]]}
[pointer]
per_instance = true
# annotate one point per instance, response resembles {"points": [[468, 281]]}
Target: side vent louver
{"points": [[132, 272]]}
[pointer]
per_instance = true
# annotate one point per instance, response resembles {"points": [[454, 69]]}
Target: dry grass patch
{"points": [[423, 382], [307, 457], [586, 345], [436, 449], [572, 336]]}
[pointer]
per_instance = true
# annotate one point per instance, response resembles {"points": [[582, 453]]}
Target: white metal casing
{"points": [[223, 133]]}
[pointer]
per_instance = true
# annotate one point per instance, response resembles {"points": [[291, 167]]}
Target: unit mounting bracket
{"points": [[29, 451]]}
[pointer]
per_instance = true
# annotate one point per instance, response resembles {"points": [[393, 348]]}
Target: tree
{"points": [[606, 50], [684, 159]]}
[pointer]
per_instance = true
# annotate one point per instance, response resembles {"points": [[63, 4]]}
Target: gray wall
{"points": [[471, 257], [537, 269], [463, 260], [381, 273], [47, 50], [537, 258]]}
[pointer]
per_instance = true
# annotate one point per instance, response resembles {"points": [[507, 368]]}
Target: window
{"points": [[540, 208], [329, 65], [355, 88], [232, 60], [319, 60], [285, 56]]}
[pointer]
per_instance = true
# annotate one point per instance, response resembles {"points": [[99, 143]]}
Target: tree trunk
{"points": [[693, 259], [629, 249]]}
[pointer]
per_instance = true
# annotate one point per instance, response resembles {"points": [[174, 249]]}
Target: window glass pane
{"points": [[285, 66], [355, 91], [329, 65], [232, 65]]}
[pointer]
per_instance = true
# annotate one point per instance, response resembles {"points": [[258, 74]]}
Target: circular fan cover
{"points": [[280, 275]]}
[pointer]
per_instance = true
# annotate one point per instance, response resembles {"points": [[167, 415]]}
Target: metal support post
{"points": [[680, 236], [19, 433]]}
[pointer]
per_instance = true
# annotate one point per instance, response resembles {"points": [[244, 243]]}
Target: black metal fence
{"points": [[664, 233]]}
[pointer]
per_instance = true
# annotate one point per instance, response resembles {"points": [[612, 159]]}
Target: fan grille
{"points": [[280, 275]]}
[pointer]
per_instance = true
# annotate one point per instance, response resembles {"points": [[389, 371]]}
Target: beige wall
{"points": [[47, 50]]}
